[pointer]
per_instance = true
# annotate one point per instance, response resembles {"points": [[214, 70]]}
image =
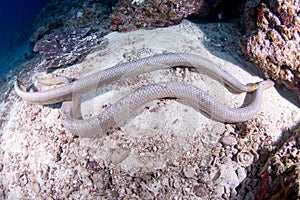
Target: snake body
{"points": [[131, 69], [126, 106]]}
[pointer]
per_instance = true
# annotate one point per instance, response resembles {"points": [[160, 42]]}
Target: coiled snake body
{"points": [[126, 106]]}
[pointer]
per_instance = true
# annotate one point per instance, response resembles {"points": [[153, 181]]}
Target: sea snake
{"points": [[127, 105]]}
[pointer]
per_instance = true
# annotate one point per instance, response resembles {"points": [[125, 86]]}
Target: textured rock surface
{"points": [[281, 177], [60, 48], [131, 15], [71, 15], [272, 39], [67, 30]]}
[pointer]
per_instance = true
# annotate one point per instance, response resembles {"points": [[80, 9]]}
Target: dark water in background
{"points": [[16, 18]]}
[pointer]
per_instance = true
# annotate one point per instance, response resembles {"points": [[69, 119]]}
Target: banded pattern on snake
{"points": [[126, 106]]}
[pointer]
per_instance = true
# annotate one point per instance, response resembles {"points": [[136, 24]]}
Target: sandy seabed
{"points": [[167, 150]]}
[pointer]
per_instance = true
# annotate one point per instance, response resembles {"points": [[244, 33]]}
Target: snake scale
{"points": [[126, 106]]}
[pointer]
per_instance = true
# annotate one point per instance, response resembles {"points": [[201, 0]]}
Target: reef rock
{"points": [[65, 31], [134, 14], [272, 39], [61, 49], [280, 178]]}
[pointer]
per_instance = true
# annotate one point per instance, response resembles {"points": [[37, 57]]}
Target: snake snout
{"points": [[252, 86]]}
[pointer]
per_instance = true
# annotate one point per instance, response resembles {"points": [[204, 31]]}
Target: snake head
{"points": [[252, 86]]}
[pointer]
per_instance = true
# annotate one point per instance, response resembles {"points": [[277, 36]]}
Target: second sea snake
{"points": [[102, 122], [131, 69], [125, 107]]}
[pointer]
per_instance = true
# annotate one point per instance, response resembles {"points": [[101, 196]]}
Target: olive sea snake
{"points": [[127, 105]]}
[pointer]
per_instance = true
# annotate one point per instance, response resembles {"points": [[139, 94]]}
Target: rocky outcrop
{"points": [[134, 14], [272, 38], [65, 48], [131, 15], [280, 178], [66, 31]]}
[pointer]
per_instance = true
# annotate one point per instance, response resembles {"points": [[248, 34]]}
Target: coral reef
{"points": [[272, 38], [67, 30], [131, 15]]}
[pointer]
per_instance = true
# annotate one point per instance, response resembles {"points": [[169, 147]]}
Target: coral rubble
{"points": [[272, 39]]}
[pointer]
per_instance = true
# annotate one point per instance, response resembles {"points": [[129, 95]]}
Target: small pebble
{"points": [[200, 190], [228, 141], [32, 117], [23, 180], [226, 133], [154, 148], [229, 128], [176, 184], [165, 182], [35, 186], [294, 112], [189, 173]]}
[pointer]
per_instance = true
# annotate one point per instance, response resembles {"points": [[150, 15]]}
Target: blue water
{"points": [[16, 18]]}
